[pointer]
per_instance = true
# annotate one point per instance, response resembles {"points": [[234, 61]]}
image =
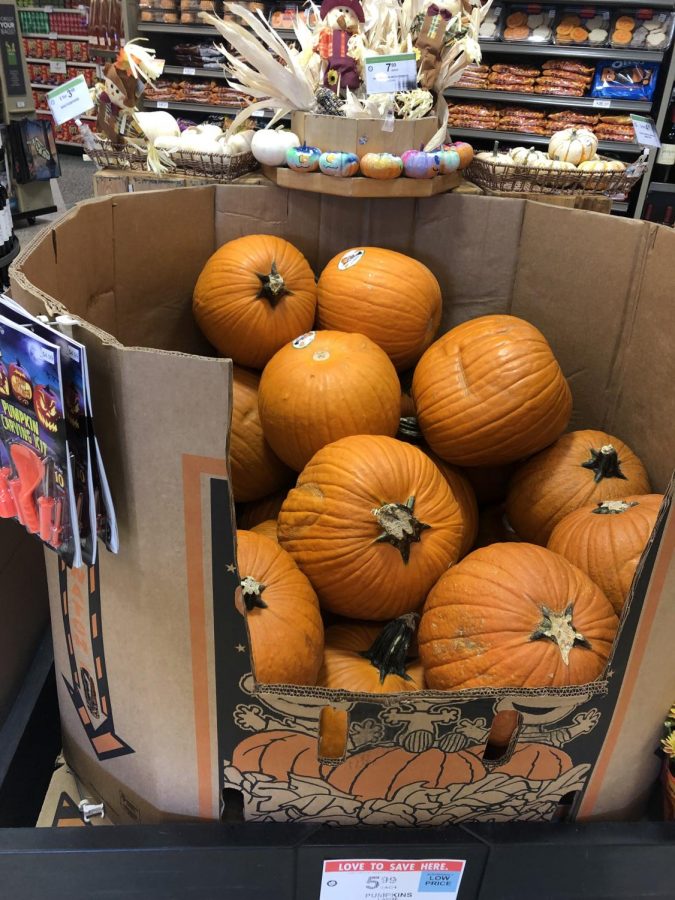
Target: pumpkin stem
{"points": [[389, 651], [251, 592], [559, 628], [399, 526], [605, 463], [613, 507], [409, 430], [272, 286]]}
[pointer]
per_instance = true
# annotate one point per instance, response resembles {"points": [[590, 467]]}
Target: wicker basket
{"points": [[527, 179], [214, 166]]}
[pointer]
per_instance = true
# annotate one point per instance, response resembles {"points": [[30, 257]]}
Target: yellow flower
{"points": [[332, 77], [668, 745], [671, 714]]}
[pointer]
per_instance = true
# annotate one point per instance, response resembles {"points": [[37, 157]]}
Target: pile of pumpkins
{"points": [[283, 148], [163, 133], [572, 150], [411, 510]]}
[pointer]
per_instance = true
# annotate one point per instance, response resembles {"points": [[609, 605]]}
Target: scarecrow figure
{"points": [[432, 38], [123, 83], [342, 20]]}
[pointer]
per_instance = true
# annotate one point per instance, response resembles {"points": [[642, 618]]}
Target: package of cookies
{"points": [[625, 79], [489, 29], [583, 26], [528, 23], [642, 28]]}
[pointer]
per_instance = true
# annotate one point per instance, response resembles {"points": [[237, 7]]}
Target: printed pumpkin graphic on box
{"points": [[409, 764]]}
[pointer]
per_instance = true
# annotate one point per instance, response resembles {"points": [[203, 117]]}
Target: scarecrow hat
{"points": [[354, 5]]}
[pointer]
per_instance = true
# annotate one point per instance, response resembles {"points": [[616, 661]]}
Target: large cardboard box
{"points": [[161, 715]]}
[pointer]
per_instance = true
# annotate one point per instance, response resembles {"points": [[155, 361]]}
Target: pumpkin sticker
{"points": [[304, 340], [350, 259]]}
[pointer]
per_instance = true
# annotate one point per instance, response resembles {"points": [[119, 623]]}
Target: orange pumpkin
{"points": [[407, 405], [252, 514], [374, 660], [268, 528], [256, 471], [391, 298], [278, 753], [254, 294], [380, 772], [606, 541], [324, 386], [536, 762], [463, 493], [282, 613], [490, 392], [373, 524], [580, 469], [514, 615]]}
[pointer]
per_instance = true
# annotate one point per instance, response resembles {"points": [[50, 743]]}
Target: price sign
{"points": [[390, 74], [162, 104], [645, 132], [389, 879], [70, 100], [53, 35], [189, 71], [57, 67], [602, 104]]}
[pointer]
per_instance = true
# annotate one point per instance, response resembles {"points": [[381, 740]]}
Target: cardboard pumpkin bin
{"points": [[161, 715]]}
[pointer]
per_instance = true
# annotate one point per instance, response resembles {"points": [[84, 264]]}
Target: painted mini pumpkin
{"points": [[419, 164], [466, 152], [450, 161], [46, 407], [573, 145], [515, 615], [20, 383], [270, 147], [339, 164], [383, 166], [303, 159]]}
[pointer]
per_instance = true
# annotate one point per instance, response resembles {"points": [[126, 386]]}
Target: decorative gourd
{"points": [[606, 541], [367, 289], [324, 386], [580, 469], [601, 165], [419, 164], [278, 754], [466, 153], [303, 159], [381, 165], [502, 160], [368, 658], [373, 524], [339, 164], [490, 392], [282, 613], [526, 156], [251, 514], [514, 615], [450, 161], [573, 145], [268, 528], [256, 471], [380, 772], [254, 294], [463, 493], [270, 147]]}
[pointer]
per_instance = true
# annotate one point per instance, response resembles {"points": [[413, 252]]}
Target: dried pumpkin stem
{"points": [[251, 592], [559, 628], [605, 463], [399, 526], [272, 286], [389, 651], [613, 507], [409, 430]]}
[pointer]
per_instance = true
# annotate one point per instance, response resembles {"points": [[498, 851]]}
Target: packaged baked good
{"points": [[528, 23], [642, 28], [625, 79], [583, 26], [489, 29]]}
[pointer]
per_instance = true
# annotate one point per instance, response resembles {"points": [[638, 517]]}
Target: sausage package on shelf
{"points": [[625, 79], [528, 22], [651, 29], [582, 26]]}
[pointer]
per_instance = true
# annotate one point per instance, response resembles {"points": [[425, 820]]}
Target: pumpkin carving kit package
{"points": [[352, 728]]}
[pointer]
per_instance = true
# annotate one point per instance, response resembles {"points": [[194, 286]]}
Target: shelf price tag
{"points": [[162, 104], [390, 74], [57, 67], [389, 879], [645, 132], [602, 104], [189, 71], [70, 100], [53, 35]]}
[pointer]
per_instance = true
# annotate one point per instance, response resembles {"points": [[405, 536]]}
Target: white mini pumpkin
{"points": [[573, 145], [157, 124], [526, 156], [554, 165], [504, 160], [601, 165], [269, 146], [240, 142], [166, 142]]}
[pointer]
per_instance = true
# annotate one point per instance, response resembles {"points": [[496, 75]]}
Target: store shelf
{"points": [[215, 74], [69, 144], [191, 107], [643, 106], [663, 186], [554, 50], [206, 30], [45, 36], [68, 62], [529, 139], [619, 206], [78, 11]]}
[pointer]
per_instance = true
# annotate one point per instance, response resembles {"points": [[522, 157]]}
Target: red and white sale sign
{"points": [[391, 879]]}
